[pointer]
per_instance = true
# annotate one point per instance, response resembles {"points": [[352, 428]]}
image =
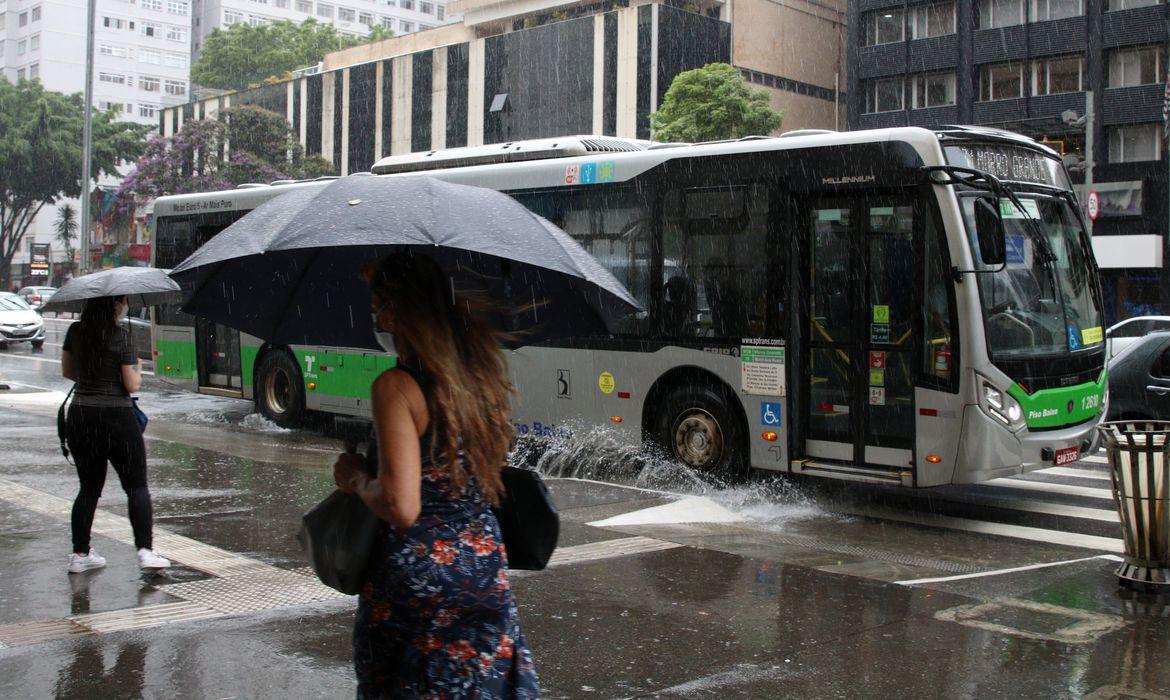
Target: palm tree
{"points": [[66, 228]]}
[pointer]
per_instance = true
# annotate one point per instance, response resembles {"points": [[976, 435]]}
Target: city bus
{"points": [[901, 306]]}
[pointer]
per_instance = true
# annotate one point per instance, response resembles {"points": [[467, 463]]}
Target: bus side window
{"points": [[938, 360]]}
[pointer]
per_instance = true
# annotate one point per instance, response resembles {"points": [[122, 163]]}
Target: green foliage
{"points": [[41, 155], [260, 147], [712, 103], [242, 55], [65, 227]]}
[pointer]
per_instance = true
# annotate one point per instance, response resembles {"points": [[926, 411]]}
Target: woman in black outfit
{"points": [[99, 356]]}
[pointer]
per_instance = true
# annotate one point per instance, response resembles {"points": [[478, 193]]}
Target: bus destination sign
{"points": [[1009, 163]]}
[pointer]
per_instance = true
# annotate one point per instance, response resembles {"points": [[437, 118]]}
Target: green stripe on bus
{"points": [[1056, 408], [248, 355], [175, 358], [341, 374]]}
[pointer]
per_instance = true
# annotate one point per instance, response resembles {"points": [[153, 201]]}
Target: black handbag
{"points": [[338, 536], [528, 519], [63, 424]]}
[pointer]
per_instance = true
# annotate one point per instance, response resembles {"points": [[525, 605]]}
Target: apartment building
{"points": [[1039, 67], [142, 61]]}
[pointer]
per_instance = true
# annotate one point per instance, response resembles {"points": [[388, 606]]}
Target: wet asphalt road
{"points": [[769, 589]]}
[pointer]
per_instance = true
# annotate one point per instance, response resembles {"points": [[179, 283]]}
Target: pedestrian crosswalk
{"points": [[1071, 505]]}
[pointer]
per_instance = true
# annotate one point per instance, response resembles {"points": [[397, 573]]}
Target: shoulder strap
{"points": [[62, 424]]}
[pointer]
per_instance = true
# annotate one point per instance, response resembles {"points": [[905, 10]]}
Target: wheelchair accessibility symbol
{"points": [[769, 413]]}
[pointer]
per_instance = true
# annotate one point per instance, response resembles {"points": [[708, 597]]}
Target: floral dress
{"points": [[437, 618]]}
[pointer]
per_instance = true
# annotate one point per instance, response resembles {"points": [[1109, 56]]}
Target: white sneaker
{"points": [[147, 559], [79, 563]]}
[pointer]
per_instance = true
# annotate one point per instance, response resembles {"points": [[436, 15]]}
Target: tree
{"points": [[40, 155], [263, 148], [712, 103], [66, 229], [242, 55]]}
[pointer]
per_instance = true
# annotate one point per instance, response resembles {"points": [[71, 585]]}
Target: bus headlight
{"points": [[1002, 407]]}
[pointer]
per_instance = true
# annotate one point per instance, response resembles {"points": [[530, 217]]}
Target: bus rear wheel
{"points": [[280, 390], [699, 428]]}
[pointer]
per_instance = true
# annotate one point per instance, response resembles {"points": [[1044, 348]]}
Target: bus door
{"points": [[217, 350], [859, 263]]}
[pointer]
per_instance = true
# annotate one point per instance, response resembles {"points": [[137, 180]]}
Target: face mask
{"points": [[120, 312], [385, 339]]}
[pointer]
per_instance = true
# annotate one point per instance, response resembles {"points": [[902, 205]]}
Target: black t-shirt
{"points": [[104, 389]]}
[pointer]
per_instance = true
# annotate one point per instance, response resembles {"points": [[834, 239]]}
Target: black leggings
{"points": [[98, 437]]}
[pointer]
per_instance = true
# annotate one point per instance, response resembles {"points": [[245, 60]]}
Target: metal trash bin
{"points": [[1139, 466]]}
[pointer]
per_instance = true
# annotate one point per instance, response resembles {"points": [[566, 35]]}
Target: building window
{"points": [[34, 43], [937, 19], [282, 4], [116, 51], [344, 14], [388, 22], [1004, 81], [424, 27], [1129, 144], [21, 47], [148, 83], [232, 17], [177, 33], [1140, 66], [151, 29], [407, 27], [1054, 76], [305, 6], [175, 87], [147, 111], [884, 27], [156, 5], [366, 18], [884, 96], [153, 58], [22, 19], [34, 71], [257, 21], [1130, 4], [440, 12], [20, 74], [324, 10], [1000, 13], [406, 4], [934, 90], [112, 78], [260, 2], [427, 8], [1043, 10], [175, 60], [35, 15], [117, 23], [177, 7]]}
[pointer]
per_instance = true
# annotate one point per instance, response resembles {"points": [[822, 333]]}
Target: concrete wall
{"points": [[399, 45]]}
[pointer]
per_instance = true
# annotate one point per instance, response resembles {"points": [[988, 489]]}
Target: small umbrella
{"points": [[143, 286], [287, 272]]}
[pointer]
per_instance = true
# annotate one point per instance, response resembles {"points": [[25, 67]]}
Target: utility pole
{"points": [[1089, 150], [87, 136]]}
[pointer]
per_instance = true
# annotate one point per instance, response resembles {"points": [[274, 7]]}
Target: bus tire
{"points": [[280, 389], [698, 426]]}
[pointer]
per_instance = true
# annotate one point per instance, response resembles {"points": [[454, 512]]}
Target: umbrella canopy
{"points": [[144, 286], [288, 271]]}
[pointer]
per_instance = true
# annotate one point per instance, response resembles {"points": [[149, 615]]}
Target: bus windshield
{"points": [[1043, 302]]}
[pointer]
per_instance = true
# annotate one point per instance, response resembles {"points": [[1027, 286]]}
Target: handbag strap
{"points": [[62, 421]]}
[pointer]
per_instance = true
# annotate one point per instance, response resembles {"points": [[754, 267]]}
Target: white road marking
{"points": [[1084, 627], [999, 572], [1063, 489], [1058, 509], [1095, 459], [1077, 473]]}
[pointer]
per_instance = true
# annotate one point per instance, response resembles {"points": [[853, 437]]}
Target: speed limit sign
{"points": [[1091, 205]]}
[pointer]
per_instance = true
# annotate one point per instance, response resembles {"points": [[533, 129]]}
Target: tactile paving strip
{"points": [[254, 592]]}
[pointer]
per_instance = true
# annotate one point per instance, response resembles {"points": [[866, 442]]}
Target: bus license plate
{"points": [[1067, 456]]}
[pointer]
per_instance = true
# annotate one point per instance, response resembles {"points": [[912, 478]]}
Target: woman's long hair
{"points": [[449, 336], [97, 324]]}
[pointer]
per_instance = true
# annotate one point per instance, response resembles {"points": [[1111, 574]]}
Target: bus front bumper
{"points": [[990, 451]]}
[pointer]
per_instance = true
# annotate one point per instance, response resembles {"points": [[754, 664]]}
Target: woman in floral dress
{"points": [[437, 618]]}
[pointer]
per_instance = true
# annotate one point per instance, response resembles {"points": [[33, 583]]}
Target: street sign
{"points": [[38, 264], [1093, 206]]}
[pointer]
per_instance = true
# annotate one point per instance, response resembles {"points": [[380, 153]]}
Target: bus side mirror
{"points": [[989, 233]]}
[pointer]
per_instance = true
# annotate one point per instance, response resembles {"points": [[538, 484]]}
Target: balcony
{"points": [[1143, 25]]}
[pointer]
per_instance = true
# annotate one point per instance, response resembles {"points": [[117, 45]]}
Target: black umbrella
{"points": [[287, 272], [144, 286]]}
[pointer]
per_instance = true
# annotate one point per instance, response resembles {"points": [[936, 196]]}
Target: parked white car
{"points": [[1127, 332], [19, 323]]}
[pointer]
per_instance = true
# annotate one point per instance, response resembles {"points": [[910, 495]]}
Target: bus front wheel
{"points": [[699, 428], [280, 390]]}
